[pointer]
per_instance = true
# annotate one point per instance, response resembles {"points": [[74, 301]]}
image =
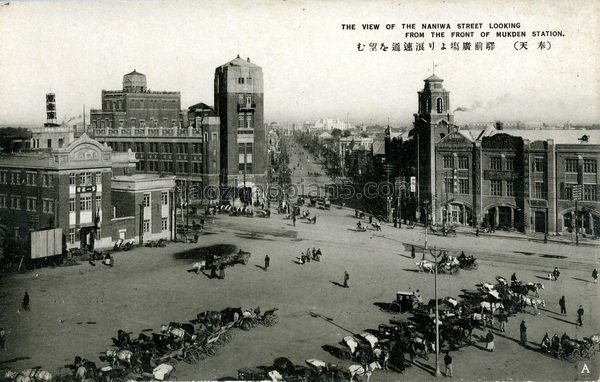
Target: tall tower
{"points": [[239, 104], [432, 122]]}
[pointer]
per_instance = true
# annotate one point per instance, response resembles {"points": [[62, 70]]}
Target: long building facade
{"points": [[508, 179]]}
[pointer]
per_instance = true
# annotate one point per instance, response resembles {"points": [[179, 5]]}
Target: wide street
{"points": [[76, 310]]}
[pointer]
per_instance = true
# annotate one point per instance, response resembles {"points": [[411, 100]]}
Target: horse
{"points": [[593, 340], [363, 371], [210, 318], [199, 266], [530, 300], [423, 346], [425, 266], [116, 357], [535, 287], [490, 306], [29, 375]]}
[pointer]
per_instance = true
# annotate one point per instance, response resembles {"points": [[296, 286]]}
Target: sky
{"points": [[312, 67]]}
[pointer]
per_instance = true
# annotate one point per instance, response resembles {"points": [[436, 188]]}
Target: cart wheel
{"points": [[395, 308], [475, 266], [585, 353]]}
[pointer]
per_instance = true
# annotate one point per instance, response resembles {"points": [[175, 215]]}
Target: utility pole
{"points": [[577, 192], [437, 324]]}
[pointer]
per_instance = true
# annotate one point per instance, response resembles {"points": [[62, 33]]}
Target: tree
{"points": [[346, 133], [13, 138], [336, 133]]}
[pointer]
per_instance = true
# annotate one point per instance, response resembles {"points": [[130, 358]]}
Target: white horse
{"points": [[117, 357], [363, 371], [530, 300], [199, 266], [535, 287], [425, 266], [28, 375], [491, 306]]}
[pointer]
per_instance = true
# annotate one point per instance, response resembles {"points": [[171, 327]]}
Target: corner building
{"points": [[239, 104]]}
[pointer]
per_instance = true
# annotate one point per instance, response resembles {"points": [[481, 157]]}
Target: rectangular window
{"points": [[463, 186], [164, 198], [146, 225], [85, 203], [589, 166], [463, 163], [448, 161], [71, 204], [539, 190], [496, 186], [147, 199], [197, 168], [2, 201], [568, 195], [510, 188], [72, 178], [98, 178], [240, 99], [71, 235], [85, 179], [510, 164], [99, 202], [571, 165], [248, 121], [589, 192], [31, 204], [241, 80], [496, 163], [448, 184], [197, 148], [164, 224], [241, 121], [538, 164]]}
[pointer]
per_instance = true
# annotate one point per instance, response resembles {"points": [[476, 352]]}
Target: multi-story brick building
{"points": [[71, 188], [166, 141], [239, 104], [514, 179]]}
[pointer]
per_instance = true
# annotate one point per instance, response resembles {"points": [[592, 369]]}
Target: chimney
{"points": [[248, 59]]}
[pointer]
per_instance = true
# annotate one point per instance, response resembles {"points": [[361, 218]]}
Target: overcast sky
{"points": [[311, 67]]}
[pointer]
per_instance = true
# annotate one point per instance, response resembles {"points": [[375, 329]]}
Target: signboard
{"points": [[577, 192], [413, 184], [46, 243], [399, 183], [81, 189]]}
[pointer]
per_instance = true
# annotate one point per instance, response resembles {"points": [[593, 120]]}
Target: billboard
{"points": [[46, 243]]}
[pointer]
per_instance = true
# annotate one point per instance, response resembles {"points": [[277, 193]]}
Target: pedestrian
{"points": [[26, 301], [563, 306], [412, 251], [294, 220], [346, 278], [534, 304], [267, 261], [489, 339], [513, 278], [448, 362], [222, 271], [595, 275], [523, 330], [395, 223], [556, 273], [502, 319], [2, 339], [371, 219], [477, 231], [580, 315]]}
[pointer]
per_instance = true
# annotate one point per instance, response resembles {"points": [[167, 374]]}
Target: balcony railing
{"points": [[246, 106]]}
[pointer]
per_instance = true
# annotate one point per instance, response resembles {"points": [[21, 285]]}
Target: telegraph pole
{"points": [[437, 325], [577, 192]]}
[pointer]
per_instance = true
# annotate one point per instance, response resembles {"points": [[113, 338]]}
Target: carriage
{"points": [[358, 350], [575, 350], [467, 262], [405, 302], [162, 372]]}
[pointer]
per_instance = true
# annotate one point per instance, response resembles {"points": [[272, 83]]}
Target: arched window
{"points": [[439, 106]]}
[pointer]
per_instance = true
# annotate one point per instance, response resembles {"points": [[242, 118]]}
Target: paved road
{"points": [[76, 310]]}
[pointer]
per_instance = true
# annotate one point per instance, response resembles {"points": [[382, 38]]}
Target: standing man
{"points": [[556, 273], [2, 339], [523, 333], [294, 219], [267, 262], [26, 301], [513, 278], [346, 278], [595, 275], [412, 251], [563, 306], [580, 315], [448, 362], [222, 271]]}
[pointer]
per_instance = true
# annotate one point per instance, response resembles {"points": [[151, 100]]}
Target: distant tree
{"points": [[346, 133], [336, 133], [364, 135]]}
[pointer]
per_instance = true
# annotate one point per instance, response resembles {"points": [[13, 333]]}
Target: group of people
{"points": [[314, 254]]}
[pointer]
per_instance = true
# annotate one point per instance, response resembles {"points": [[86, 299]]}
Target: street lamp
{"points": [[435, 255]]}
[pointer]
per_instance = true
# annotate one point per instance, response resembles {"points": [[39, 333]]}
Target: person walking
{"points": [[2, 339], [523, 330], [26, 301], [580, 315], [412, 251], [489, 338], [563, 306], [267, 262], [346, 278], [502, 319], [448, 363], [556, 273], [595, 275]]}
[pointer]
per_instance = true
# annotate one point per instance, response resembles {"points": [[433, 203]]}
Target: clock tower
{"points": [[432, 123]]}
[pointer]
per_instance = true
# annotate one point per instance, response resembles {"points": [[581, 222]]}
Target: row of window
{"points": [[31, 178], [245, 121], [14, 202], [108, 123], [85, 178], [245, 80], [460, 187], [167, 167], [589, 192], [164, 198], [164, 225], [463, 162], [85, 203]]}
